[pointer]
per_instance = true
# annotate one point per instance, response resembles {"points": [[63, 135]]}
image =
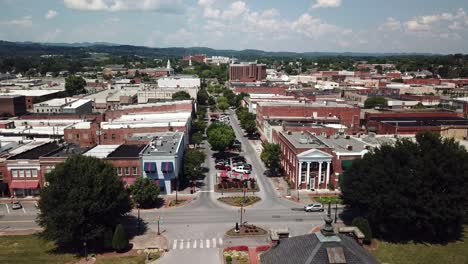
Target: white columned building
{"points": [[314, 178]]}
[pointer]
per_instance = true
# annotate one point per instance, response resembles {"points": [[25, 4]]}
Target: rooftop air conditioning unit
{"points": [[349, 147], [348, 137]]}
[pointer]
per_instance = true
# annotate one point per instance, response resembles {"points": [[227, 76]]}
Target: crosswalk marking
{"points": [[191, 243]]}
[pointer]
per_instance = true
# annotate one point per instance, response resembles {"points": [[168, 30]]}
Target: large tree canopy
{"points": [[75, 85], [372, 102], [411, 191], [271, 156], [220, 136], [83, 199], [144, 192], [181, 95]]}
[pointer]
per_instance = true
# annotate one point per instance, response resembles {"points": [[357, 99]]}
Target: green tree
{"points": [[223, 103], [411, 191], [250, 126], [271, 156], [107, 244], [220, 136], [181, 95], [199, 125], [144, 192], [202, 97], [197, 138], [83, 199], [193, 159], [211, 100], [75, 85], [372, 102], [119, 240]]}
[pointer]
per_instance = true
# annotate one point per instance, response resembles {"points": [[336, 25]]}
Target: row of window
{"points": [[126, 171], [77, 136], [24, 173], [54, 110]]}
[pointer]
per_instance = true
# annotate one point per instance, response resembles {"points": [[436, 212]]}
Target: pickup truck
{"points": [[241, 169]]}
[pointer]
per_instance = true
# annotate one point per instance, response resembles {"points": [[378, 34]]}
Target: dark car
{"points": [[238, 159], [218, 160], [222, 166]]}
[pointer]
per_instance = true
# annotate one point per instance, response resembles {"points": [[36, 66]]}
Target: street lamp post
{"points": [[139, 220], [159, 218], [336, 213], [85, 250]]}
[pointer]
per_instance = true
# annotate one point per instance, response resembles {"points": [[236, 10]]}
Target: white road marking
{"points": [[207, 243], [182, 244], [214, 242], [188, 244], [194, 244], [206, 191], [24, 210], [174, 245], [8, 210], [201, 243], [220, 242]]}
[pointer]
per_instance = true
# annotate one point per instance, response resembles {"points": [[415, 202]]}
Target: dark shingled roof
{"points": [[127, 151], [37, 152], [308, 249]]}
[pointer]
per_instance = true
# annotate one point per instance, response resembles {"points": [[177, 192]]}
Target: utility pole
{"points": [[242, 210], [159, 218]]}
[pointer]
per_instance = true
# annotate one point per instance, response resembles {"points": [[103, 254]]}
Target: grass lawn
{"points": [[121, 260], [452, 253], [31, 249], [328, 199]]}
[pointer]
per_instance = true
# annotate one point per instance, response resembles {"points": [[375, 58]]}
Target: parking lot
{"points": [[28, 208]]}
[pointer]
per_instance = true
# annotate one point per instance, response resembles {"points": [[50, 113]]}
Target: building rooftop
{"points": [[77, 103], [101, 151], [127, 151], [36, 92], [36, 152], [67, 151], [149, 120], [343, 145], [164, 144], [136, 106], [305, 104], [422, 121], [302, 140]]}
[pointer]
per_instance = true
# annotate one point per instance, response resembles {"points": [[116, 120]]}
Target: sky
{"points": [[433, 26]]}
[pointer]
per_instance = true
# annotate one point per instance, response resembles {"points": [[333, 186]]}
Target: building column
{"points": [[328, 174], [320, 175], [308, 174], [299, 175]]}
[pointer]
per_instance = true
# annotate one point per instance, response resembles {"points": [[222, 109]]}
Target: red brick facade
{"points": [[261, 90], [247, 72]]}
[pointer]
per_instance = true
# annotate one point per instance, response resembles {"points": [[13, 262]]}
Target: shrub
{"points": [[364, 226], [120, 240], [107, 239]]}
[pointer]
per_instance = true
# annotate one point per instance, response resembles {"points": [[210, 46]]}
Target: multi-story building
{"points": [[247, 72], [12, 105], [66, 105]]}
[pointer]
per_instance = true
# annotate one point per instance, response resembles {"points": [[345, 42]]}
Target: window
{"points": [[119, 171], [77, 136], [1, 176], [21, 173], [127, 171], [134, 171], [27, 173], [105, 136], [113, 136], [70, 136], [14, 173], [85, 136], [49, 168], [34, 173]]}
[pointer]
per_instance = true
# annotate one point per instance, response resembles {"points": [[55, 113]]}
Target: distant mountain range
{"points": [[33, 48]]}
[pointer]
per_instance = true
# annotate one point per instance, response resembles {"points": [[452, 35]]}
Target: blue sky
{"points": [[275, 25]]}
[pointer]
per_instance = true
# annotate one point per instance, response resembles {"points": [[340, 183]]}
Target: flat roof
{"points": [[36, 152], [305, 104], [101, 151], [164, 144], [30, 92], [136, 106], [77, 103], [67, 151], [127, 151], [303, 140]]}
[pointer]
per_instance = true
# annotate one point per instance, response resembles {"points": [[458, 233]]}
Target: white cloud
{"points": [[51, 35], [181, 37], [235, 9], [51, 14], [326, 3], [313, 27], [171, 6], [390, 25], [437, 22], [25, 21]]}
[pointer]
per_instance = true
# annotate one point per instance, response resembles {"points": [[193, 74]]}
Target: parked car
{"points": [[226, 162], [16, 205], [315, 207], [254, 136], [241, 169], [248, 166], [238, 159], [222, 166]]}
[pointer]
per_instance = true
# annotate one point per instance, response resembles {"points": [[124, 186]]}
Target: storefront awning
{"points": [[167, 166], [150, 167], [18, 184]]}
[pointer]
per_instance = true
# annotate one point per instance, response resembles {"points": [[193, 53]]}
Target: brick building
{"points": [[126, 160], [200, 58], [13, 105], [306, 113], [247, 72], [315, 162]]}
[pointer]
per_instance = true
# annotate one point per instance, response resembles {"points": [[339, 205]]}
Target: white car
{"points": [[241, 169], [16, 206], [315, 207]]}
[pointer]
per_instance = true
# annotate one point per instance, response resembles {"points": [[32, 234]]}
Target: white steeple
{"points": [[190, 61], [168, 64]]}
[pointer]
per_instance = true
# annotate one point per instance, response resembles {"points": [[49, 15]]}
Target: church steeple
{"points": [[168, 64]]}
